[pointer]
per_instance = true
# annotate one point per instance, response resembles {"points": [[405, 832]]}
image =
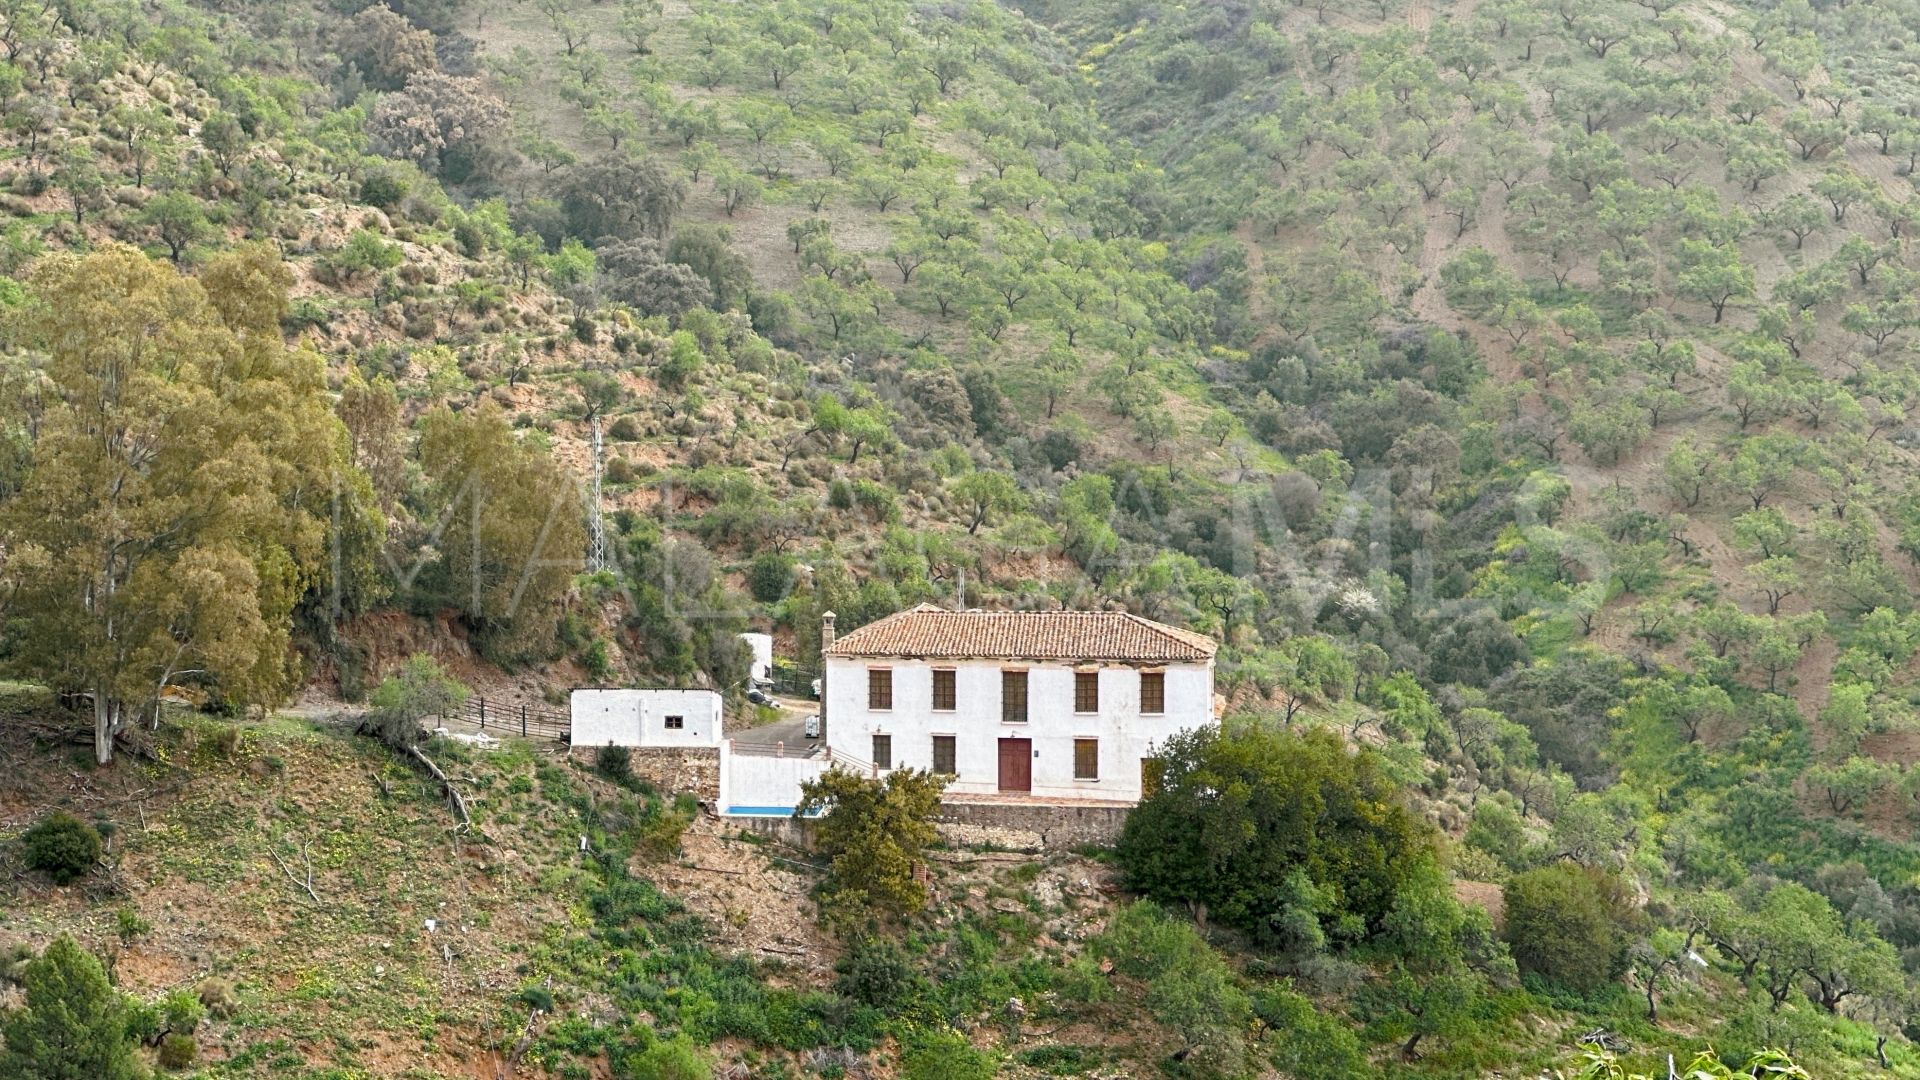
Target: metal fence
{"points": [[523, 720], [793, 681], [804, 751]]}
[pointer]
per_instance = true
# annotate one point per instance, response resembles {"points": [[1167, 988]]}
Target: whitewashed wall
{"points": [[1126, 735], [638, 717], [757, 785], [761, 646]]}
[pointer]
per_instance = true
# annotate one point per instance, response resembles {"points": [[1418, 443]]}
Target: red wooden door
{"points": [[1016, 764]]}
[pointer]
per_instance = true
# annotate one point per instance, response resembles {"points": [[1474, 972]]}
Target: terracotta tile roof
{"points": [[936, 633]]}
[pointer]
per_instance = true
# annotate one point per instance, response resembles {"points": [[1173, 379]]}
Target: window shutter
{"points": [[1153, 691], [1152, 770], [1086, 759], [1013, 697], [1086, 691]]}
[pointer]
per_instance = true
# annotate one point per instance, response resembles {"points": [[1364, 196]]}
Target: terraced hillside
{"points": [[1518, 388]]}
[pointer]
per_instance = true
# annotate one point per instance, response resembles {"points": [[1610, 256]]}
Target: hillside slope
{"points": [[1519, 388], [358, 934]]}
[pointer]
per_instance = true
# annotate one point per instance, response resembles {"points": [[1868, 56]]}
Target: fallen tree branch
{"points": [[74, 735], [511, 1066], [446, 784], [401, 735], [288, 870]]}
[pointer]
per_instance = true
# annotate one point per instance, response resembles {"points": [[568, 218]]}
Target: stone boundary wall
{"points": [[1042, 828], [1021, 827], [793, 832], [674, 769]]}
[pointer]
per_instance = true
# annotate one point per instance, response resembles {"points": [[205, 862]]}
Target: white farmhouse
{"points": [[1041, 706], [646, 717]]}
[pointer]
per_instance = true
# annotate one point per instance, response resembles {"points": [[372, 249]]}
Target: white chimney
{"points": [[826, 642]]}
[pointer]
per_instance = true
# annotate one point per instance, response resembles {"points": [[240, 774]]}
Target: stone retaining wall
{"points": [[1042, 828], [793, 832], [675, 769], [1020, 827]]}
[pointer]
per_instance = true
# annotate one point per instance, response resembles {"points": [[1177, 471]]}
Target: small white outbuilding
{"points": [[761, 646], [646, 717]]}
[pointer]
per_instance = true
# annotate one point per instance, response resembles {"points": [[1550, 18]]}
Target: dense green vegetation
{"points": [[72, 1025], [1519, 389], [871, 835]]}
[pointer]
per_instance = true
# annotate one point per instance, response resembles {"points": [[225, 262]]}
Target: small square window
{"points": [[879, 688], [676, 723], [1086, 759], [1086, 691], [943, 689]]}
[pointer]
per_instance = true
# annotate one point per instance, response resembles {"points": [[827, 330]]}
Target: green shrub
{"points": [[1311, 1045], [403, 702], [383, 189], [872, 834], [13, 962], [218, 997], [1322, 838], [63, 846], [573, 631], [840, 494], [1190, 989], [74, 1025], [624, 429], [182, 1012], [667, 1059], [305, 312], [1473, 864], [770, 577], [878, 500], [365, 251], [878, 972], [661, 832], [1060, 1060], [684, 360], [1564, 925], [178, 1051], [1498, 831], [129, 925], [944, 1055], [145, 1022], [615, 763], [597, 660]]}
